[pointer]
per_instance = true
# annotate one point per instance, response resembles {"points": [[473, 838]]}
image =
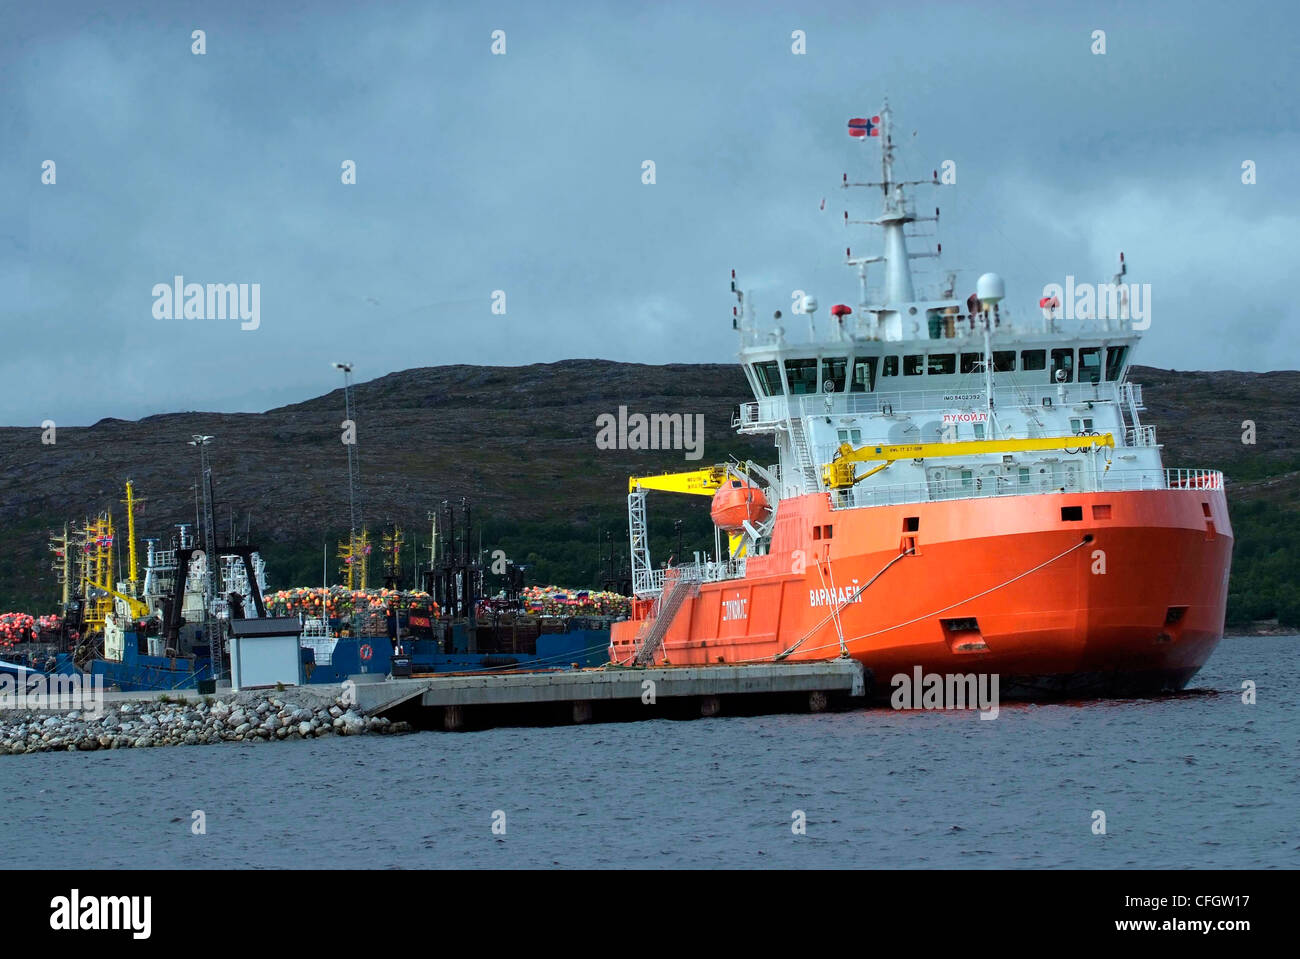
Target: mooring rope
{"points": [[991, 589]]}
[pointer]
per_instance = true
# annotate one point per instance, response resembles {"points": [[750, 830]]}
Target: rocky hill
{"points": [[519, 442]]}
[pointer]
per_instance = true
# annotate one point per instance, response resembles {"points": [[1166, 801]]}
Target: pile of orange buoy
{"points": [[16, 628], [339, 602], [558, 601]]}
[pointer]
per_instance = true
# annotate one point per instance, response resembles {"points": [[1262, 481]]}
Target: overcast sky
{"points": [[522, 172]]}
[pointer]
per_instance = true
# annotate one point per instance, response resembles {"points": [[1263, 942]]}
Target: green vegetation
{"points": [[1265, 580]]}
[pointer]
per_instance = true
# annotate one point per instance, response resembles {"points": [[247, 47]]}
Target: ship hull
{"points": [[1059, 595]]}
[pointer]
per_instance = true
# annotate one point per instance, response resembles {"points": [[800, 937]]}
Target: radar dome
{"points": [[808, 304], [990, 289]]}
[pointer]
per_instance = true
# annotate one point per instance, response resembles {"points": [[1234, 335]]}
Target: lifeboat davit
{"points": [[737, 501]]}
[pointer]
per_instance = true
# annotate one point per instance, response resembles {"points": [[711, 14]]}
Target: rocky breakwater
{"points": [[143, 723]]}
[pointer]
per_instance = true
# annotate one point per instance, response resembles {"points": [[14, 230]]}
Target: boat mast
{"points": [[893, 216], [132, 565]]}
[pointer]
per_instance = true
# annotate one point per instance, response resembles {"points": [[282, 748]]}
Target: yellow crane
{"points": [[842, 474], [703, 482], [138, 609]]}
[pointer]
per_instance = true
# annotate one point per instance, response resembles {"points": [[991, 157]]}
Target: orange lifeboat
{"points": [[737, 501]]}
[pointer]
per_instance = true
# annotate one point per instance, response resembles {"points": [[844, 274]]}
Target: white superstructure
{"points": [[902, 367]]}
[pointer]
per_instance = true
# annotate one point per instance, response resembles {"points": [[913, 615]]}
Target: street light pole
{"points": [[211, 628], [354, 472]]}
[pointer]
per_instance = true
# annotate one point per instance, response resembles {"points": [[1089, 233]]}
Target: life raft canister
{"points": [[737, 501]]}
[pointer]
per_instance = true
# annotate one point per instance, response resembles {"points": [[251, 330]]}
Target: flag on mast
{"points": [[864, 127]]}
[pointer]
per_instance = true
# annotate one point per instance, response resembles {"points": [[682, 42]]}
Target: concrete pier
{"points": [[482, 700]]}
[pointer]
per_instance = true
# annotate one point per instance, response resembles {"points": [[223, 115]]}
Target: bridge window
{"points": [[943, 363], [1004, 361], [1031, 360], [864, 375], [1115, 361], [1090, 364], [769, 378], [833, 368], [890, 367], [802, 376], [913, 365], [1063, 361], [970, 362]]}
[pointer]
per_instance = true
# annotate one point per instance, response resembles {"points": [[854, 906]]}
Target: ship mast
{"points": [[894, 214]]}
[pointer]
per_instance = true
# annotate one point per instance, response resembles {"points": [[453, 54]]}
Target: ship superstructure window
{"points": [[1031, 360], [1023, 473], [769, 378], [1004, 361], [1090, 364], [864, 375], [913, 365], [850, 436], [890, 366], [970, 362], [943, 363], [1063, 362], [833, 370], [802, 376], [979, 430], [1081, 425], [1115, 361], [967, 479]]}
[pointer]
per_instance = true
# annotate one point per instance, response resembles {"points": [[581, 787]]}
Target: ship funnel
{"points": [[990, 289]]}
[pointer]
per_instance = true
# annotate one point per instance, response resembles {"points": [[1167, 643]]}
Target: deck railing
{"points": [[705, 572], [771, 411], [978, 487]]}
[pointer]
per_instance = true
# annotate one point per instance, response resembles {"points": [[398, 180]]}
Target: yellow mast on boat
{"points": [[132, 566]]}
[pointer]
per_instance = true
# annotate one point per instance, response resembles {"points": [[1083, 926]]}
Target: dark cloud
{"points": [[522, 173]]}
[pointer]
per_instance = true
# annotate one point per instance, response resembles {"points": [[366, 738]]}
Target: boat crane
{"points": [[840, 474]]}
